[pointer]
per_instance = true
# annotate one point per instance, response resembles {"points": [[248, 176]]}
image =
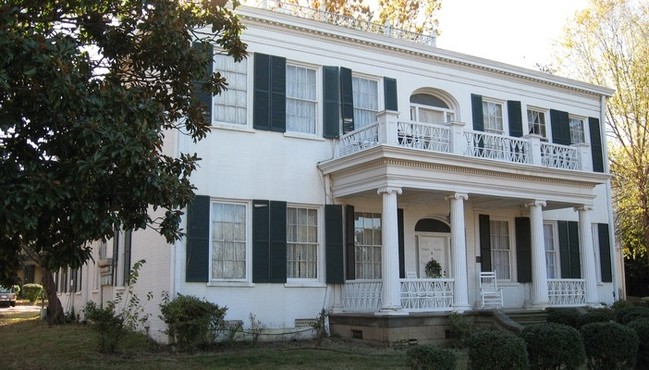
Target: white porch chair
{"points": [[490, 294]]}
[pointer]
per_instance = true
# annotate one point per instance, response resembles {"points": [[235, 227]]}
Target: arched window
{"points": [[430, 109]]}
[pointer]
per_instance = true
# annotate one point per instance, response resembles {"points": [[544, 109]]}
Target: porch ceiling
{"points": [[424, 175]]}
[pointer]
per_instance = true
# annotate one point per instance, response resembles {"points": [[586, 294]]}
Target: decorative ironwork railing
{"points": [[559, 156], [347, 21], [427, 294], [567, 292], [362, 295], [492, 146], [363, 138], [424, 136]]}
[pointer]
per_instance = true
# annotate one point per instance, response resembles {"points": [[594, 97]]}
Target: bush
{"points": [[565, 316], [32, 291], [191, 322], [627, 314], [617, 305], [641, 327], [553, 346], [609, 345], [16, 289], [461, 329], [109, 326], [430, 357], [494, 350], [596, 315]]}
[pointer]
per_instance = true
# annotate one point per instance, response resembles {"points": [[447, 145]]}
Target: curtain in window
{"points": [[500, 251], [230, 105], [368, 245], [302, 243], [300, 99], [228, 241], [550, 252], [366, 101]]}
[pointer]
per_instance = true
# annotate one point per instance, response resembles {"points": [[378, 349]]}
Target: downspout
{"points": [[618, 268]]}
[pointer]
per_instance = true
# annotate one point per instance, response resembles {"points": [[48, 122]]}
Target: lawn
{"points": [[28, 343]]}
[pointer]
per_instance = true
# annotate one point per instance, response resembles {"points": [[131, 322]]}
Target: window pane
{"points": [[230, 105], [500, 249], [368, 245], [301, 103], [302, 243], [493, 117], [366, 99], [576, 130], [228, 241]]}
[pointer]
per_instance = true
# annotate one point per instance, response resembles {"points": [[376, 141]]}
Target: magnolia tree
{"points": [[88, 89]]}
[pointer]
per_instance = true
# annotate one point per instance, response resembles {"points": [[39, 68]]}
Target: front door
{"points": [[433, 245]]}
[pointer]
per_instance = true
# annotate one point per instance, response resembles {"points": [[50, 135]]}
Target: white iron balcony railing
{"points": [[567, 292], [452, 138], [347, 21], [416, 295]]}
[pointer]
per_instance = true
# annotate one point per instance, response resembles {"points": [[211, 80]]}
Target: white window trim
{"points": [[319, 281], [249, 101], [546, 116], [557, 254], [505, 129], [584, 127], [513, 277], [247, 281], [379, 90], [318, 101]]}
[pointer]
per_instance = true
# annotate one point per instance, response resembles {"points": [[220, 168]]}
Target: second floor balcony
{"points": [[455, 138]]}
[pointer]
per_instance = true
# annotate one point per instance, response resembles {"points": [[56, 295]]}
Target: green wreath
{"points": [[433, 269]]}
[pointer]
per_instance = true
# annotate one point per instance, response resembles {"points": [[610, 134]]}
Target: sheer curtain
{"points": [[365, 101], [228, 241], [301, 98], [230, 105]]}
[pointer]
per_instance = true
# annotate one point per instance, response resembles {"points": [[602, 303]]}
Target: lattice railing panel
{"points": [[567, 292]]}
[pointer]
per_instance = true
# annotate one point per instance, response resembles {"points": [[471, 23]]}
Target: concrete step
{"points": [[526, 318]]}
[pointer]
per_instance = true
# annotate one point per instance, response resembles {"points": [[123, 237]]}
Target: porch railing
{"points": [[416, 295], [452, 138], [567, 292]]}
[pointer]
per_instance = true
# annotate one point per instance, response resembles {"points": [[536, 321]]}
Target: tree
{"points": [[88, 89], [608, 44]]}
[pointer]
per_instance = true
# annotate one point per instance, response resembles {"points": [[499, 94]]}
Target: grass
{"points": [[29, 343]]}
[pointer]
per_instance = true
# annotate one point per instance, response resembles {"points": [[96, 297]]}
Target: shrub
{"points": [[109, 326], [596, 315], [641, 327], [553, 346], [494, 350], [609, 345], [191, 322], [461, 329], [565, 316], [617, 305], [16, 289], [627, 314], [32, 291], [430, 357]]}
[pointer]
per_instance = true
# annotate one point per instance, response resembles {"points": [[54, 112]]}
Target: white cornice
{"points": [[265, 18]]}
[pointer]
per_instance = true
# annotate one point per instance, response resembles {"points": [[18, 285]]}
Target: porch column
{"points": [[587, 254], [391, 298], [458, 252], [540, 296]]}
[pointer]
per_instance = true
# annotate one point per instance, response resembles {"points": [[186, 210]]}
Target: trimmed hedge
{"points": [[494, 350], [32, 291], [596, 315], [641, 327], [430, 357], [553, 346], [565, 316], [609, 345], [627, 314]]}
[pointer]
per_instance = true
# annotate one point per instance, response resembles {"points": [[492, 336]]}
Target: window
{"points": [[430, 109], [576, 130], [230, 105], [367, 232], [493, 117], [301, 100], [366, 101], [301, 243], [228, 241], [500, 248], [536, 122], [551, 255]]}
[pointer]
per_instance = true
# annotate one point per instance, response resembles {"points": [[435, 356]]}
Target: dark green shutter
{"points": [[128, 239], [278, 94], [390, 94], [523, 249], [277, 242], [331, 106], [560, 123], [596, 147], [604, 253], [569, 249], [115, 260], [205, 97], [261, 95], [515, 114], [350, 241], [260, 241], [485, 243], [477, 113], [198, 233], [334, 246], [346, 99], [402, 244]]}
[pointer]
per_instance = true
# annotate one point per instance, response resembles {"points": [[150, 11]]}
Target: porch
{"points": [[436, 295]]}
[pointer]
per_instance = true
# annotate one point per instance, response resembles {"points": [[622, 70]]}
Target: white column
{"points": [[391, 298], [539, 270], [587, 254], [458, 252]]}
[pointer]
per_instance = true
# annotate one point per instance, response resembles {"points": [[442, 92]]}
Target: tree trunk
{"points": [[55, 314]]}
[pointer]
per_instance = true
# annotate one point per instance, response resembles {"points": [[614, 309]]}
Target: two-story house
{"points": [[345, 155]]}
